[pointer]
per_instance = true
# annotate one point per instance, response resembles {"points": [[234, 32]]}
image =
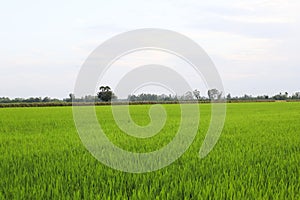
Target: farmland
{"points": [[256, 157]]}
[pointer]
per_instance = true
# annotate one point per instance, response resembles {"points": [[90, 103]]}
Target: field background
{"points": [[257, 156]]}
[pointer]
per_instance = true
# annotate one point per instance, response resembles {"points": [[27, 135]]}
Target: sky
{"points": [[254, 44]]}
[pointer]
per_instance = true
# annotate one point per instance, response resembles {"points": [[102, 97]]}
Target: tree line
{"points": [[105, 94]]}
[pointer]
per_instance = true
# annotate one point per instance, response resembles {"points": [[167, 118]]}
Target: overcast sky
{"points": [[255, 44]]}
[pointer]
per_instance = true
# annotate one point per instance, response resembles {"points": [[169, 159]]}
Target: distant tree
{"points": [[247, 97], [164, 97], [72, 96], [262, 97], [214, 94], [152, 97], [197, 94], [46, 99], [4, 100], [228, 97], [280, 96], [286, 94], [32, 100], [90, 98], [296, 95], [105, 94], [188, 95]]}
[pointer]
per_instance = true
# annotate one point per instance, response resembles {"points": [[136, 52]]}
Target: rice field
{"points": [[256, 157]]}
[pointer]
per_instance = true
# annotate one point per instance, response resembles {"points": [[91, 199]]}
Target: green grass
{"points": [[257, 156]]}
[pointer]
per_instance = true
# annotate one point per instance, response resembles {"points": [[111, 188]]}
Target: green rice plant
{"points": [[256, 157]]}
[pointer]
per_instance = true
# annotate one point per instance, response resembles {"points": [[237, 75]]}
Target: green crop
{"points": [[256, 157]]}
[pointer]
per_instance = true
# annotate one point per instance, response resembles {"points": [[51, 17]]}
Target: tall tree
{"points": [[105, 94], [228, 96], [197, 94], [214, 94]]}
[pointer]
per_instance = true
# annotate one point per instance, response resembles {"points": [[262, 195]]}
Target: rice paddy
{"points": [[256, 157]]}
